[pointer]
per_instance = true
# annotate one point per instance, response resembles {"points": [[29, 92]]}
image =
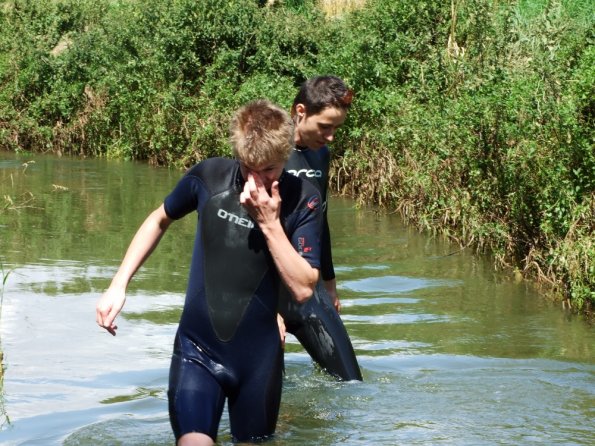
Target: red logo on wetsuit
{"points": [[302, 248], [313, 203]]}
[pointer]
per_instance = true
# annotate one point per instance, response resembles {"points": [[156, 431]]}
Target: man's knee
{"points": [[195, 439]]}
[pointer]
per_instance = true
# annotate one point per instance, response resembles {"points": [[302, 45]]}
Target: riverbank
{"points": [[471, 119]]}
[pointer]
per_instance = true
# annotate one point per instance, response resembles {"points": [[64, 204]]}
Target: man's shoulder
{"points": [[298, 192], [211, 166], [291, 181]]}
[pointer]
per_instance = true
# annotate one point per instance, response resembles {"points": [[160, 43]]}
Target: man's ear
{"points": [[300, 109]]}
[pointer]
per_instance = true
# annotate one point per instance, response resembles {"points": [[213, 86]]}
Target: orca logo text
{"points": [[310, 173]]}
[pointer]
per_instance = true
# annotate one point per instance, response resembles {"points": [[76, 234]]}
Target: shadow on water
{"points": [[451, 351]]}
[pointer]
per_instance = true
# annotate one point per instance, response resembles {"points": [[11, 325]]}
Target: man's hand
{"points": [[108, 307], [331, 289], [261, 206], [282, 330]]}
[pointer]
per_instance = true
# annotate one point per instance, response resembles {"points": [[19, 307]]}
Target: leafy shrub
{"points": [[471, 118]]}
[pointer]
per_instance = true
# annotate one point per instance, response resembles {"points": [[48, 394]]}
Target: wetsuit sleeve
{"points": [[185, 196], [327, 270], [306, 236]]}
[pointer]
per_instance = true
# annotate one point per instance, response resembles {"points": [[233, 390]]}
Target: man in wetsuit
{"points": [[319, 109], [258, 232]]}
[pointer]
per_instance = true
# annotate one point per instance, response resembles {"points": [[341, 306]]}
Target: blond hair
{"points": [[260, 133]]}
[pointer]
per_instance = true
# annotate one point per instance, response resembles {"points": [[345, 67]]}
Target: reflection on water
{"points": [[451, 352], [392, 284]]}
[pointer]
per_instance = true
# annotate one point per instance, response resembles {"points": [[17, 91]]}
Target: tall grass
{"points": [[336, 8], [473, 111], [3, 415]]}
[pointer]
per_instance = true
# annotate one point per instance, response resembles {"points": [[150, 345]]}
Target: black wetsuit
{"points": [[227, 344], [316, 324]]}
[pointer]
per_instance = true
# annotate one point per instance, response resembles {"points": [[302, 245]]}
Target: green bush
{"points": [[471, 118]]}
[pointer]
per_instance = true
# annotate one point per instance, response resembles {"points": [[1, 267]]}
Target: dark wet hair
{"points": [[320, 92]]}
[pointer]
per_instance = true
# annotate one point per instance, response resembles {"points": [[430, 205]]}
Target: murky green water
{"points": [[452, 353]]}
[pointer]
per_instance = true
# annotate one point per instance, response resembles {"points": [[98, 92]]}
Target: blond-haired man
{"points": [[258, 228]]}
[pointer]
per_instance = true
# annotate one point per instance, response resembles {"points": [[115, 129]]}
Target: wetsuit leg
{"points": [[320, 330], [254, 409], [196, 400]]}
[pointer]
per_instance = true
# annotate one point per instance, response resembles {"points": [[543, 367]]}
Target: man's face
{"points": [[268, 172], [315, 131]]}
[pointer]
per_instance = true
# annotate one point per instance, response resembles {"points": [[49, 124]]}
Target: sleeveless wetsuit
{"points": [[316, 324], [227, 344]]}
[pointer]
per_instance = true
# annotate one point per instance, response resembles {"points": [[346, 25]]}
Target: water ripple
{"points": [[393, 284], [381, 319]]}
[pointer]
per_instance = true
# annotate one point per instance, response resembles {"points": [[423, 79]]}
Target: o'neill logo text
{"points": [[310, 173], [235, 219]]}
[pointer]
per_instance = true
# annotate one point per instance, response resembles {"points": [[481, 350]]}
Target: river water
{"points": [[452, 352]]}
